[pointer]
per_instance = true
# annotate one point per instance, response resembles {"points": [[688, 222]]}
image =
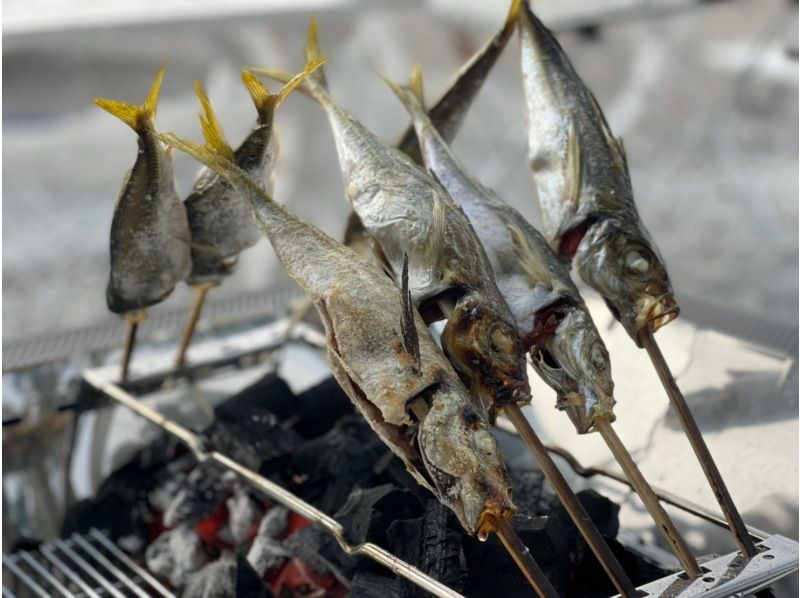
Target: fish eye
{"points": [[484, 441], [599, 358], [636, 261]]}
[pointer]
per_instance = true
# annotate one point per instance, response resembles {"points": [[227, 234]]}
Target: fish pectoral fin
{"points": [[573, 169], [435, 252], [534, 268]]}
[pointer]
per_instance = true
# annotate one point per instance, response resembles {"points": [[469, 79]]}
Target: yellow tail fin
{"points": [[415, 85], [312, 51], [267, 103], [412, 94], [136, 117], [511, 21], [212, 130]]}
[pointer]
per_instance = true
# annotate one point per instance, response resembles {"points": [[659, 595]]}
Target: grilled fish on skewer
{"points": [[552, 320], [406, 212], [584, 187], [564, 344], [221, 222], [384, 357], [149, 232], [586, 197]]}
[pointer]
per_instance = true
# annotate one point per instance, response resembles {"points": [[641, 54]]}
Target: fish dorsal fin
{"points": [[573, 190], [136, 117], [212, 130], [407, 324], [436, 246], [532, 266]]}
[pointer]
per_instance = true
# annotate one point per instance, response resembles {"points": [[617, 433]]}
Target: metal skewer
{"points": [[571, 503], [133, 319], [648, 496], [692, 431], [509, 538], [200, 290]]}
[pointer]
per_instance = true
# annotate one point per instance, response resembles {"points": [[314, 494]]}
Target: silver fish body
{"points": [[221, 221], [149, 232], [583, 184], [552, 320], [368, 327]]}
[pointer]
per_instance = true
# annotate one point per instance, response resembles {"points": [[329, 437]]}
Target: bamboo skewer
{"points": [[133, 319], [509, 538], [571, 503], [522, 557], [201, 290], [692, 431], [649, 498]]}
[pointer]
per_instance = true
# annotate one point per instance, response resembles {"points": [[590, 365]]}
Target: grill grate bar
{"points": [[99, 558], [24, 577], [8, 593], [35, 565], [142, 573], [48, 553], [91, 571]]}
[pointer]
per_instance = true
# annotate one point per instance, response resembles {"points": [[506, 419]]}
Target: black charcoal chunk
{"points": [[366, 584], [200, 495], [318, 549], [267, 553], [368, 512], [320, 407], [532, 496], [433, 544]]}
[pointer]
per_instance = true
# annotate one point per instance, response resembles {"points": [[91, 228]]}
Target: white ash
{"points": [[267, 553], [243, 512], [215, 580], [175, 554]]}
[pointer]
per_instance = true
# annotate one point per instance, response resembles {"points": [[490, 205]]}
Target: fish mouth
{"points": [[487, 522], [659, 312]]}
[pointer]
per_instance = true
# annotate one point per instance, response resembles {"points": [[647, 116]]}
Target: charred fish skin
{"points": [[562, 340], [221, 222], [584, 187], [578, 166], [149, 244], [384, 357], [408, 213]]}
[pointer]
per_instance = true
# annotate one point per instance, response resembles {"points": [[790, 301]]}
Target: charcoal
{"points": [[318, 549], [531, 493], [335, 463], [244, 512], [320, 407], [366, 584], [229, 576], [267, 553], [493, 573], [200, 495], [249, 426], [175, 554], [433, 543], [601, 511], [368, 512]]}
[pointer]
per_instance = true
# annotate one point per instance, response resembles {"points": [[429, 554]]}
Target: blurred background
{"points": [[705, 95]]}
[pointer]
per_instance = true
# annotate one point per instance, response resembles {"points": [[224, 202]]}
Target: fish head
{"points": [[486, 350], [618, 259], [463, 460], [575, 363]]}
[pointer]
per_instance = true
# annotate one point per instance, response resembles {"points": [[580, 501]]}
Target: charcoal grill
{"points": [[94, 566]]}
